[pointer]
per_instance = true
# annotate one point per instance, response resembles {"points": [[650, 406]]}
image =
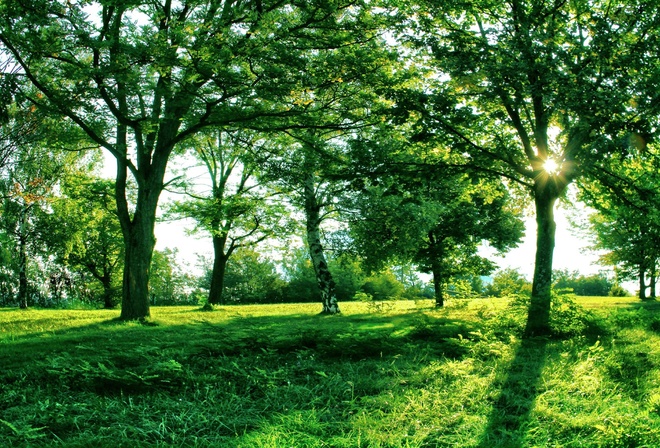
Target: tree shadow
{"points": [[509, 418]]}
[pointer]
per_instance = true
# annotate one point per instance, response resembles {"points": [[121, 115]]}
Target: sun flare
{"points": [[551, 166]]}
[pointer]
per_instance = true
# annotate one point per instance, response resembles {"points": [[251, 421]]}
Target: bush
{"points": [[383, 286]]}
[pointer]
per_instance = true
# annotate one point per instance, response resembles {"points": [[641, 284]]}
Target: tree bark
{"points": [[642, 282], [323, 275], [219, 268], [438, 283], [139, 246], [652, 281], [538, 319], [108, 302], [22, 263]]}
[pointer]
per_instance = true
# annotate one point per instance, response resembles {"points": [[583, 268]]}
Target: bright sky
{"points": [[571, 250]]}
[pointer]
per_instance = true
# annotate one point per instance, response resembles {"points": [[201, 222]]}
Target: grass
{"points": [[399, 374]]}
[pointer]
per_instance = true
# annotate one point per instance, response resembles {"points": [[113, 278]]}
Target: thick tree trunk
{"points": [[538, 320], [438, 283], [323, 275], [219, 268], [108, 299], [139, 247]]}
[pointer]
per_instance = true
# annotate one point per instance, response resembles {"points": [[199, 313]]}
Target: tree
{"points": [[631, 241], [438, 223], [583, 285], [171, 284], [251, 278], [534, 92], [235, 209], [141, 77], [28, 185], [508, 282], [302, 284], [84, 231], [626, 220]]}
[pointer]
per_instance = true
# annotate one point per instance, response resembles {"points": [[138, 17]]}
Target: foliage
{"points": [[625, 223], [250, 278], [587, 285], [170, 282], [438, 222], [405, 377], [383, 286], [85, 235], [508, 283]]}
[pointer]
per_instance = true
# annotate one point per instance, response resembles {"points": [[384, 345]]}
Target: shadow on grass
{"points": [[509, 419], [354, 337]]}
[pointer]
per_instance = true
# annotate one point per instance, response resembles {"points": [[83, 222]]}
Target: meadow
{"points": [[382, 374]]}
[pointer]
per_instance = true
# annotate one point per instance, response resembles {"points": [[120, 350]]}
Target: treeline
{"points": [[252, 278]]}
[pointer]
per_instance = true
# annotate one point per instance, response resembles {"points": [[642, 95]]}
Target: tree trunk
{"points": [[538, 319], [323, 275], [438, 283], [652, 280], [642, 282], [108, 299], [219, 268], [139, 247], [22, 263]]}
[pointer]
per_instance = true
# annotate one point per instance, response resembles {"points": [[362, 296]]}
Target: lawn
{"points": [[392, 374]]}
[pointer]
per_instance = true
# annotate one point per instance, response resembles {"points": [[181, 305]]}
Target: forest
{"points": [[357, 166]]}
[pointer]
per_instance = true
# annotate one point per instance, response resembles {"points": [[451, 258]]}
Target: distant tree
{"points": [[438, 223], [234, 208], [27, 186], [627, 222], [172, 284], [85, 234], [508, 282], [383, 286], [302, 283], [581, 285], [251, 278]]}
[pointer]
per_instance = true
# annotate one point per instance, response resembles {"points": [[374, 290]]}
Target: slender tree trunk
{"points": [[642, 282], [538, 320], [323, 275], [652, 280], [219, 268], [22, 263], [438, 283]]}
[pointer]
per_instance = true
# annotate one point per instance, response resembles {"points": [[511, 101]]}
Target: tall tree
{"points": [[141, 77], [234, 208], [534, 91]]}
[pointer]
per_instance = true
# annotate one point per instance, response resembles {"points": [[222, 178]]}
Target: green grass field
{"points": [[397, 374]]}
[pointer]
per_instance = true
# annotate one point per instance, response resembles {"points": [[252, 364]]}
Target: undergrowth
{"points": [[402, 375]]}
